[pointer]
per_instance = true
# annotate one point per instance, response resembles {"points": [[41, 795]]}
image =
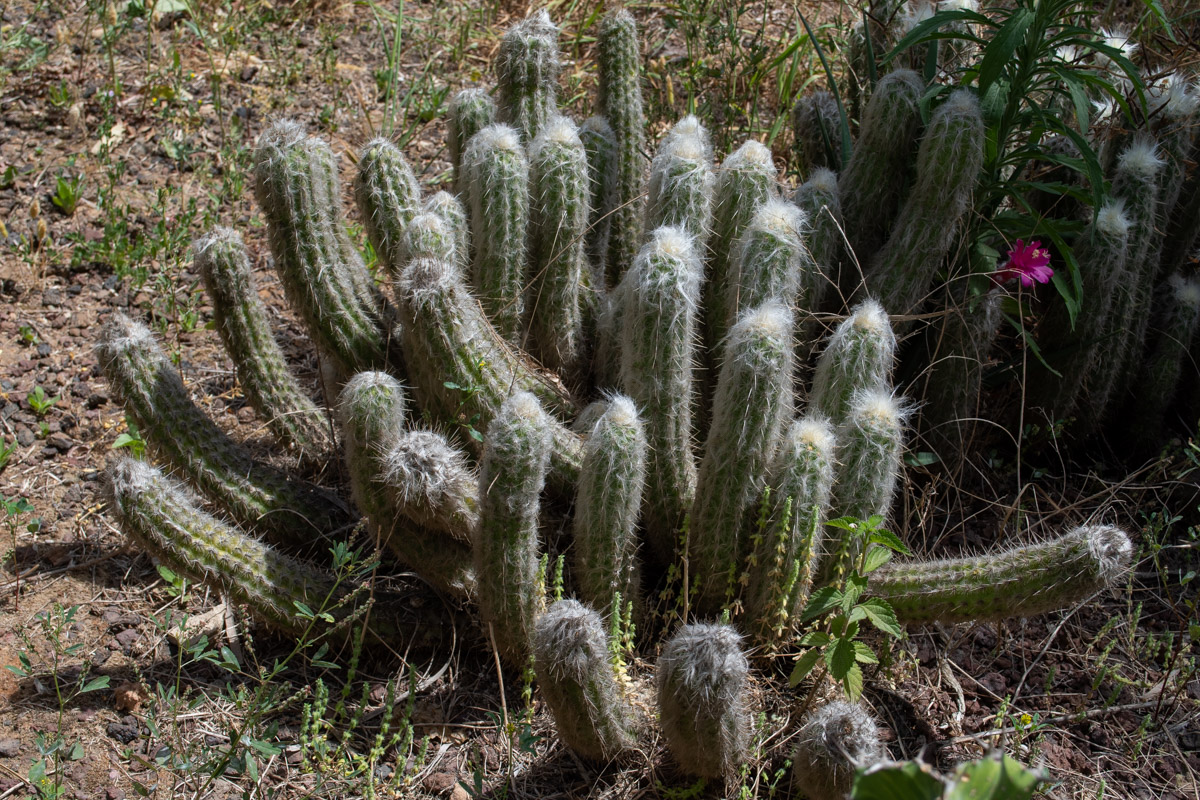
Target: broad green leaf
{"points": [[863, 654], [852, 683], [993, 778], [882, 616], [890, 541], [820, 602], [814, 639], [96, 683], [907, 781], [839, 657], [855, 586], [1000, 49], [804, 665]]}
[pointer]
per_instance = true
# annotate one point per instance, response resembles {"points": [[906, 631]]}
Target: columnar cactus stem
{"points": [[600, 145], [431, 483], [817, 127], [527, 75], [786, 555], [1183, 229], [255, 494], [428, 236], [1102, 253], [702, 699], [511, 476], [744, 182], [681, 182], [872, 184], [291, 416], [659, 329], [870, 443], [769, 262], [447, 340], [558, 240], [498, 197], [949, 160], [834, 742], [1019, 583], [838, 275], [161, 515], [388, 197], [471, 110], [752, 399], [859, 355], [607, 506], [620, 102], [451, 211], [323, 276], [571, 659], [371, 412]]}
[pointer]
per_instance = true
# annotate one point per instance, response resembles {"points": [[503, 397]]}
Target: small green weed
{"points": [[40, 402], [68, 191]]}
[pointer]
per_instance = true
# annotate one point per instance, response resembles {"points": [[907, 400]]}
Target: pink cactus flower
{"points": [[1029, 262]]}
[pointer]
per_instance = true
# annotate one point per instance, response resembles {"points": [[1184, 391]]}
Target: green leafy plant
{"points": [[131, 440], [839, 611], [995, 777], [68, 191], [27, 334], [39, 401]]}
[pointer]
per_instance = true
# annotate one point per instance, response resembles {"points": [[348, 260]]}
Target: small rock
{"points": [[248, 72], [127, 638], [112, 793], [459, 793], [245, 415], [121, 732], [43, 350], [10, 748], [439, 782], [60, 442], [52, 296], [96, 399]]}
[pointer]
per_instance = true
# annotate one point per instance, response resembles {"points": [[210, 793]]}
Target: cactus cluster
{"points": [[519, 377]]}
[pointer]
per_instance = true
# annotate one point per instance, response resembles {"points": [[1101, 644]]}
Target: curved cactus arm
{"points": [[659, 328], [512, 474], [606, 508], [295, 181], [817, 128], [681, 181], [371, 410], [527, 75], [432, 484], [834, 742], [571, 658], [462, 370], [872, 184], [160, 515], [703, 702], [558, 243], [454, 215], [1018, 583], [949, 160], [255, 494], [291, 416], [620, 102], [786, 554], [471, 110], [497, 175], [388, 197], [859, 355], [753, 397], [600, 145]]}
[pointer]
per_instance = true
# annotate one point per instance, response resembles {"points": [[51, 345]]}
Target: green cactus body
{"points": [[255, 494], [558, 229], [870, 443], [498, 197], [291, 416], [1077, 350], [1176, 315], [817, 127], [872, 184], [471, 110], [454, 215], [753, 398], [461, 370], [659, 328], [1183, 226], [620, 102], [571, 659], [1019, 583], [834, 742], [431, 483], [703, 706], [949, 161], [428, 236], [162, 516], [388, 197], [1178, 137], [859, 355], [787, 551], [600, 145], [371, 410], [960, 351], [511, 476], [681, 185], [606, 359], [744, 182], [837, 275], [323, 276], [527, 75], [607, 506]]}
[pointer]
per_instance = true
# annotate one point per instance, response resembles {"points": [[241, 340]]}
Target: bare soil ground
{"points": [[1105, 696]]}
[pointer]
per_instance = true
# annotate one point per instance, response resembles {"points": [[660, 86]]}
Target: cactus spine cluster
{"points": [[834, 742], [527, 72]]}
